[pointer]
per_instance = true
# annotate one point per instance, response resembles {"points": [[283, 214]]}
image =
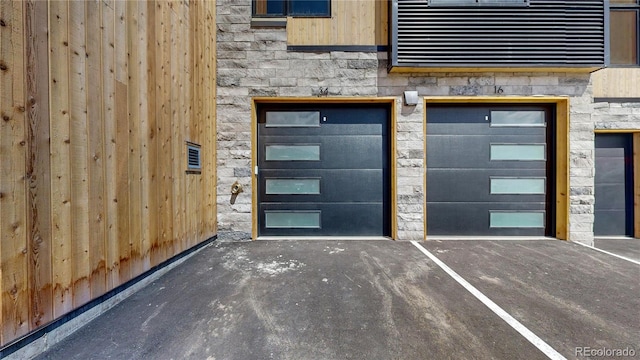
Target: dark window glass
{"points": [[624, 37], [275, 7], [623, 32], [291, 8], [309, 7]]}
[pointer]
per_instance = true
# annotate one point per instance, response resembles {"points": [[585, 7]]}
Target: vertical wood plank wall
{"points": [[616, 83], [97, 100], [352, 22]]}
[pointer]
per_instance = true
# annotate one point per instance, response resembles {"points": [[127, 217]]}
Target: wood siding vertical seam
{"points": [[110, 155]]}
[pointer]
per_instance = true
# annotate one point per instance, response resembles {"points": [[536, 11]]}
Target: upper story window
{"points": [[291, 8], [623, 32], [452, 3]]}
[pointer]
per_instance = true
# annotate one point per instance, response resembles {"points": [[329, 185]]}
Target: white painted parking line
{"points": [[515, 324], [609, 253]]}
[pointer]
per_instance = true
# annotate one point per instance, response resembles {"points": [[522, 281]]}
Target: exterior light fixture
{"points": [[411, 98]]}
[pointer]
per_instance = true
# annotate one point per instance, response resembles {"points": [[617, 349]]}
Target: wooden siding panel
{"points": [[195, 181], [79, 155], [38, 163], [166, 173], [159, 115], [93, 184], [617, 83], [357, 22], [13, 222], [123, 179], [135, 173], [60, 154], [95, 133], [177, 135], [153, 191], [182, 126], [122, 182], [382, 22], [195, 82]]}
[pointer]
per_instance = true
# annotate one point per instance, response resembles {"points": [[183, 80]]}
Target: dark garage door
{"points": [[323, 171], [488, 170], [614, 185]]}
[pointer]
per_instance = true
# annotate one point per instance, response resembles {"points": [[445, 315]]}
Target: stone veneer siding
{"points": [[254, 62]]}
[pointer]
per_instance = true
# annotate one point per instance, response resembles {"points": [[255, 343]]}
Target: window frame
{"points": [[286, 7], [624, 7]]}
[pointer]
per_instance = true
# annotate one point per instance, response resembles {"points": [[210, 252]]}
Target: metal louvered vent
{"points": [[193, 157], [540, 33], [478, 2]]}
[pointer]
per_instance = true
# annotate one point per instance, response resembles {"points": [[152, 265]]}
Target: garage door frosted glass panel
{"points": [[517, 186], [518, 152], [292, 153], [292, 186], [292, 219], [292, 119], [516, 220], [518, 118]]}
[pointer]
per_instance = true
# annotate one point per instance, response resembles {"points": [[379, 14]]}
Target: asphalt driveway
{"points": [[375, 300], [626, 247]]}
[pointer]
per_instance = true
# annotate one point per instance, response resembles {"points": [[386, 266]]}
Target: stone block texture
{"points": [[254, 62]]}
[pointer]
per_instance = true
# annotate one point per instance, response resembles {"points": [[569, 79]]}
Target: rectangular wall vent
{"points": [[194, 161]]}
